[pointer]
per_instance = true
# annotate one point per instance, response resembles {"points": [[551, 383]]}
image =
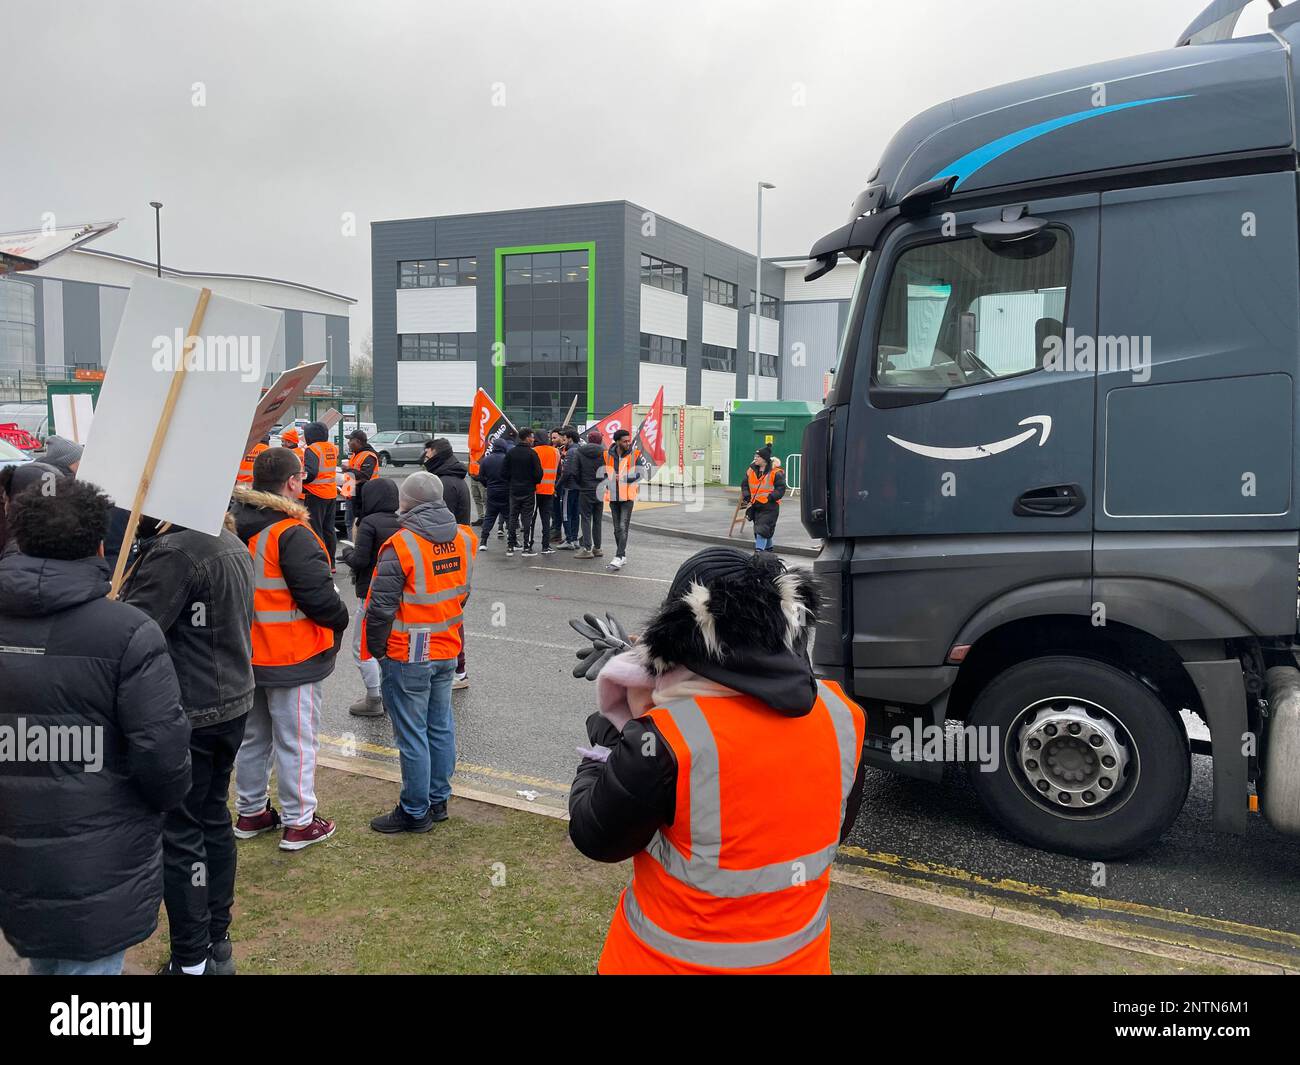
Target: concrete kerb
{"points": [[717, 538]]}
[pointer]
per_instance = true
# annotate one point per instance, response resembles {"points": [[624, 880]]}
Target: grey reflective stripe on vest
{"points": [[432, 628], [264, 583], [421, 596], [260, 580], [702, 870], [847, 735], [718, 955]]}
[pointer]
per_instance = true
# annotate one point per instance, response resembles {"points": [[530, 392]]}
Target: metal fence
{"points": [[793, 472]]}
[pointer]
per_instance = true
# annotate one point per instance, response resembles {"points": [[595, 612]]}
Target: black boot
{"points": [[400, 821]]}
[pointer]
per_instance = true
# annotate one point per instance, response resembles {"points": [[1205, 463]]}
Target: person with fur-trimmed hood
{"points": [[725, 770], [298, 623]]}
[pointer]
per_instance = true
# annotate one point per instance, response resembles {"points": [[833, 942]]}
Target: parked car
{"points": [[399, 448], [11, 456]]}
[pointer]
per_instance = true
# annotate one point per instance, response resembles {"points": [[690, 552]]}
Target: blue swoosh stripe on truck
{"points": [[971, 162]]}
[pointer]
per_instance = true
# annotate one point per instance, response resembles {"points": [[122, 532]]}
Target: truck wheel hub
{"points": [[1071, 754]]}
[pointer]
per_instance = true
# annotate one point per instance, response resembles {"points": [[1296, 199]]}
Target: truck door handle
{"points": [[1054, 501]]}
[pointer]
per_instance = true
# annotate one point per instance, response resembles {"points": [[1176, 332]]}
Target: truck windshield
{"points": [[966, 311]]}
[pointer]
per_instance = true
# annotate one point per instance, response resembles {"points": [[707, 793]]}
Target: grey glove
{"points": [[608, 638]]}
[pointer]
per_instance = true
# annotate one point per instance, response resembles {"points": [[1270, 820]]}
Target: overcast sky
{"points": [[385, 108]]}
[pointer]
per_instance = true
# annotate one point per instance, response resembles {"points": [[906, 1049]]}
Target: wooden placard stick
{"points": [[159, 438], [568, 418]]}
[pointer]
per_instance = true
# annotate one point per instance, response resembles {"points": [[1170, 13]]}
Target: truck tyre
{"points": [[1091, 762]]}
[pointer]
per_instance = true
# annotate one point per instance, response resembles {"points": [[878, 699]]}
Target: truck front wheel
{"points": [[1090, 763]]}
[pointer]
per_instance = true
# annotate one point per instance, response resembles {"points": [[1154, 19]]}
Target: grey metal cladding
{"points": [[1177, 451], [1183, 103], [292, 338], [81, 323], [810, 334], [337, 332]]}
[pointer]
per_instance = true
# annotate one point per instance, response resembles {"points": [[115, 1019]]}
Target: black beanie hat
{"points": [[765, 453]]}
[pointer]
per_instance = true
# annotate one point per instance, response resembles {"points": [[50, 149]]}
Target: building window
{"points": [[719, 358], [659, 274], [438, 347], [766, 365], [723, 293], [667, 351], [450, 420], [437, 273], [768, 308], [415, 419], [544, 322]]}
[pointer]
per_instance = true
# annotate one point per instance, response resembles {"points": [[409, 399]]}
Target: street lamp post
{"points": [[758, 282], [157, 229]]}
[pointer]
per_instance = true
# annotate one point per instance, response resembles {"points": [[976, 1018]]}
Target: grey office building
{"points": [[605, 301]]}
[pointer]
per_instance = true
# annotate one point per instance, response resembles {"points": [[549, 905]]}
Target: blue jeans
{"points": [[762, 543], [571, 515], [418, 698], [110, 966]]}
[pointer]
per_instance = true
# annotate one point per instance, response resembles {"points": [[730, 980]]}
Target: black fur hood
{"points": [[744, 624]]}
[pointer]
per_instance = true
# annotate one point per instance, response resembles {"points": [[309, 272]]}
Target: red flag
{"points": [[486, 425], [651, 434], [610, 424]]}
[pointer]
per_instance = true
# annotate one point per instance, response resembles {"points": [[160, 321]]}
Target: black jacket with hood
{"points": [[617, 806], [432, 522], [81, 850], [307, 573], [523, 469], [377, 505], [199, 589], [452, 473], [491, 472], [764, 515], [588, 460]]}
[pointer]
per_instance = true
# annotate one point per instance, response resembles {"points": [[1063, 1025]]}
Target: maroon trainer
{"points": [[249, 826], [294, 839]]}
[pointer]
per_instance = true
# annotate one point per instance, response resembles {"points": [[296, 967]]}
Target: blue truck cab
{"points": [[1056, 473]]}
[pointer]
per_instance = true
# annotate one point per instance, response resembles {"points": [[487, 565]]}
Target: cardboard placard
{"points": [[207, 428], [279, 398], [73, 414]]}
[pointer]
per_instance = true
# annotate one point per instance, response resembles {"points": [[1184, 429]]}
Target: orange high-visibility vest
{"points": [[550, 459], [282, 634], [427, 626], [358, 457], [739, 883], [626, 465], [323, 487], [761, 488], [245, 475]]}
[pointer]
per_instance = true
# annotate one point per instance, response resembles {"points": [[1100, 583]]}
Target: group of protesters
{"points": [[207, 661], [565, 484], [135, 706]]}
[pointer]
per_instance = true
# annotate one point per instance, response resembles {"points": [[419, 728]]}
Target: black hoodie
{"points": [[81, 850], [307, 573], [314, 433], [452, 472], [378, 509]]}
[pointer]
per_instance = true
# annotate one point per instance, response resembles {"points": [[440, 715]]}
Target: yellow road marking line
{"points": [[461, 767], [1041, 892]]}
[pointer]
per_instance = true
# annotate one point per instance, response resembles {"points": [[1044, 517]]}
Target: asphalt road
{"points": [[521, 718]]}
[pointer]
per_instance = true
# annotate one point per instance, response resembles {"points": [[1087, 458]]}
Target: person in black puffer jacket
{"points": [[377, 505], [81, 869], [441, 461], [492, 472]]}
